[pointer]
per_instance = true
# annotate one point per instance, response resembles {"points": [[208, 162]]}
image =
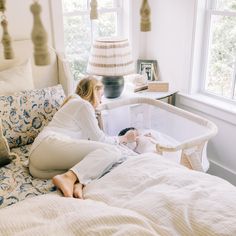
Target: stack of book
{"points": [[141, 87], [158, 86]]}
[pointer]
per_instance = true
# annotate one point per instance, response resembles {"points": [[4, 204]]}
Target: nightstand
{"points": [[169, 96]]}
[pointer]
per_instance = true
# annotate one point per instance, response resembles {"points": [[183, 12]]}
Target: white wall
{"points": [[139, 39], [170, 42], [20, 19]]}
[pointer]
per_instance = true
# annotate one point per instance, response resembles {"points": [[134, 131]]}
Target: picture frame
{"points": [[149, 67]]}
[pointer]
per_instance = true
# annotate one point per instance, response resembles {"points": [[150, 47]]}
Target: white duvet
{"points": [[146, 195]]}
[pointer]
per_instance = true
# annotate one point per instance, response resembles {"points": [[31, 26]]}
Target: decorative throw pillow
{"points": [[25, 113], [17, 78], [5, 155]]}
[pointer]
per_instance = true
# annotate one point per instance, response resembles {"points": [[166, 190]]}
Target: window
{"points": [[79, 30], [220, 46]]}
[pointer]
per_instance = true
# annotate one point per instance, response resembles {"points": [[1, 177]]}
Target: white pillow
{"points": [[16, 79], [6, 64]]}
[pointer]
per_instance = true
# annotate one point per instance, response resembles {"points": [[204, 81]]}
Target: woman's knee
{"points": [[43, 174]]}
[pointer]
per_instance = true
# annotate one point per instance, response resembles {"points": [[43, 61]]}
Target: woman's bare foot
{"points": [[78, 190], [65, 182]]}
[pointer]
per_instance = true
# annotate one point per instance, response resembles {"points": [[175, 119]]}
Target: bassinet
{"points": [[187, 133]]}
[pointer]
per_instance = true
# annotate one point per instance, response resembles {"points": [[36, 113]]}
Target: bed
{"points": [[16, 183], [145, 195]]}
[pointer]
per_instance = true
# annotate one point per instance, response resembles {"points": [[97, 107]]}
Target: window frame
{"points": [[209, 12], [117, 9]]}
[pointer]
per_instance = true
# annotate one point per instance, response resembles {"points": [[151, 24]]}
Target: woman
{"points": [[64, 142]]}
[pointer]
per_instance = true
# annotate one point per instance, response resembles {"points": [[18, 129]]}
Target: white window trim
{"points": [[124, 27], [196, 70], [87, 12], [205, 44], [199, 57], [214, 106], [117, 9], [56, 24], [208, 105], [205, 53]]}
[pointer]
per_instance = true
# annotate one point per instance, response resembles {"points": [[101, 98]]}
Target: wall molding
{"points": [[222, 172], [56, 14], [202, 103]]}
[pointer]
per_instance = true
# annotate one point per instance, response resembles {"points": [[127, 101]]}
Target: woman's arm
{"points": [[88, 123]]}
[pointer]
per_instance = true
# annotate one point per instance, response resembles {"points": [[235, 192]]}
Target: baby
{"points": [[145, 142]]}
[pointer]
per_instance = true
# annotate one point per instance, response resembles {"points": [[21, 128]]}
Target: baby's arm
{"points": [[151, 137]]}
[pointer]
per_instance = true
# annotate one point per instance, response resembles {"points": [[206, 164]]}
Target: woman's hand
{"points": [[129, 136]]}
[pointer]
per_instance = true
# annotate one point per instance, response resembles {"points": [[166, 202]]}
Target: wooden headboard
{"points": [[44, 76]]}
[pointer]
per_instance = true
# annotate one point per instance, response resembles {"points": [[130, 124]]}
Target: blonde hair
{"points": [[87, 89]]}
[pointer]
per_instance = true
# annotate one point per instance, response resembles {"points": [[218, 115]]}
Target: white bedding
{"points": [[145, 195]]}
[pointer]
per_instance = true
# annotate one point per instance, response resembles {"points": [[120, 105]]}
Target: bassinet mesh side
{"points": [[189, 131], [146, 116]]}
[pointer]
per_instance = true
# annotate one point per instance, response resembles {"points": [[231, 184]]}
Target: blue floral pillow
{"points": [[25, 113]]}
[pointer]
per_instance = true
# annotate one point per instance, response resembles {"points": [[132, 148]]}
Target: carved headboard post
{"points": [[145, 13], [6, 38], [2, 6], [39, 37], [93, 10]]}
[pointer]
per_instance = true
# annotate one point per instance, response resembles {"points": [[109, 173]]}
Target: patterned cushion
{"points": [[4, 149], [25, 113]]}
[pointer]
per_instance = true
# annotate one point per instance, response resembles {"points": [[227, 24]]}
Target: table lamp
{"points": [[111, 58]]}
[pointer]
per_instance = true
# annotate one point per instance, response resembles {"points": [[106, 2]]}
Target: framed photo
{"points": [[149, 67]]}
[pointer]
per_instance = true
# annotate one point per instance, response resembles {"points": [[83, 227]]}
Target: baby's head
{"points": [[131, 145], [124, 131]]}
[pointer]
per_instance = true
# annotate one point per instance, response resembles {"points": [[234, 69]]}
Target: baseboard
{"points": [[222, 172]]}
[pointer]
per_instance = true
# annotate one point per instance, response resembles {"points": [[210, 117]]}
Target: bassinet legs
{"points": [[192, 158]]}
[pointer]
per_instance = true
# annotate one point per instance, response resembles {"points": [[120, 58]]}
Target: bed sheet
{"points": [[16, 184], [145, 195]]}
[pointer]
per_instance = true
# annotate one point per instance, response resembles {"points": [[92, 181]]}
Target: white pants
{"points": [[57, 154], [96, 163]]}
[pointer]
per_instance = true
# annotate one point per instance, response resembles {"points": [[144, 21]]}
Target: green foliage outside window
{"points": [[222, 53], [79, 31]]}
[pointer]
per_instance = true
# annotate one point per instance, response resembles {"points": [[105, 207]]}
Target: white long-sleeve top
{"points": [[77, 120]]}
